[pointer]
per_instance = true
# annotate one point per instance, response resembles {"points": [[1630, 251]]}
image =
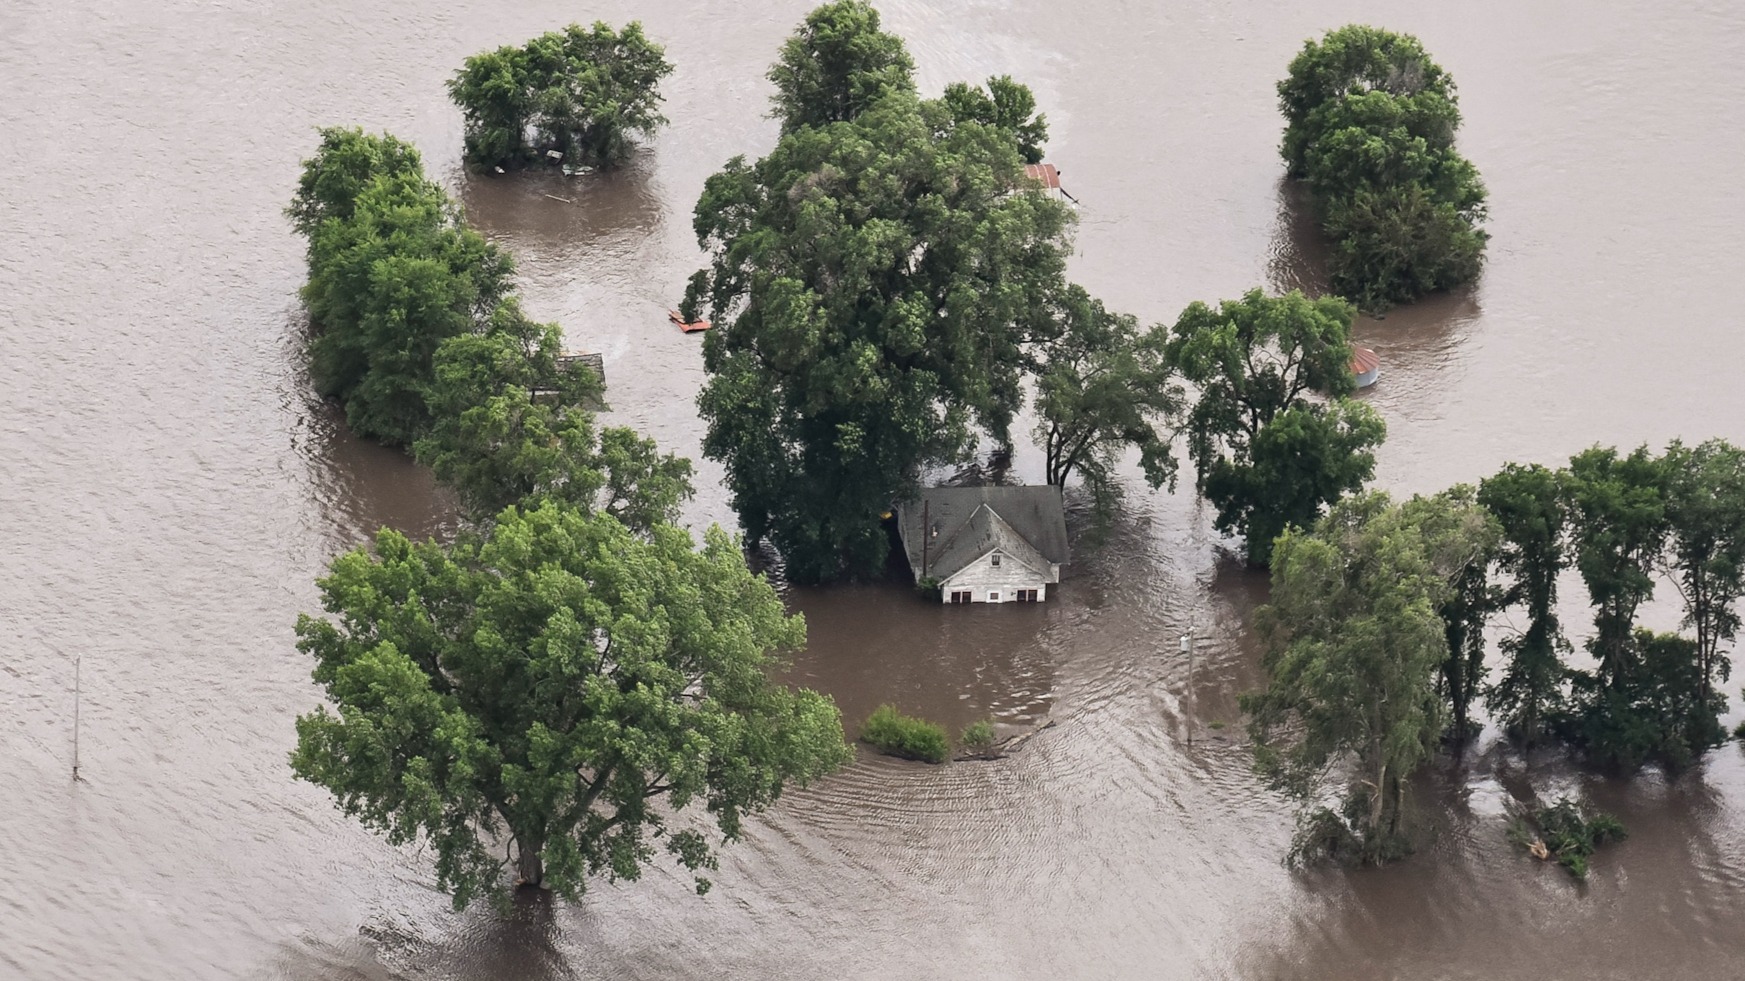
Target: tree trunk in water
{"points": [[532, 862]]}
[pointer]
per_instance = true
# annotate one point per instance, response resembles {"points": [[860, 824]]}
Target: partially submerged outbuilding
{"points": [[1365, 366], [986, 544]]}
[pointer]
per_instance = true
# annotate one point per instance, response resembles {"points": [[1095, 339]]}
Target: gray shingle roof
{"points": [[963, 531]]}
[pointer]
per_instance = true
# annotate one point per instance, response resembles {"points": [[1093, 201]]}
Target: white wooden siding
{"points": [[981, 577]]}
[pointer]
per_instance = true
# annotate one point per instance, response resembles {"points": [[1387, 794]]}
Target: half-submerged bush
{"points": [[977, 737], [895, 734], [1563, 833], [579, 93]]}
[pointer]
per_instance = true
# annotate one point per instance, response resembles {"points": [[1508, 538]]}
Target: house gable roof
{"points": [[969, 522]]}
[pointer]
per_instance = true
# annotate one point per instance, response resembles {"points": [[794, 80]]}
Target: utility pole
{"points": [[76, 660], [1193, 699]]}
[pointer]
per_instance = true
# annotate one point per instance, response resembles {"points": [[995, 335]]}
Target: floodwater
{"points": [[169, 491]]}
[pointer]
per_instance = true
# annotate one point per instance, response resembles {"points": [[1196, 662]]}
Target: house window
{"points": [[993, 596], [996, 560], [1026, 595], [960, 596]]}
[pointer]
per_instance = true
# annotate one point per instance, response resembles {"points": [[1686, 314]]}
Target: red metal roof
{"points": [[690, 328], [1364, 361], [1043, 174]]}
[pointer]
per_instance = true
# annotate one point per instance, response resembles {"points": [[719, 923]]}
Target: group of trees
{"points": [[549, 692], [887, 279], [876, 280], [1370, 124], [418, 334], [580, 92], [1375, 632]]}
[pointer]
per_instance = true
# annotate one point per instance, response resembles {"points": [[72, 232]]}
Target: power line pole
{"points": [[76, 661], [1193, 699]]}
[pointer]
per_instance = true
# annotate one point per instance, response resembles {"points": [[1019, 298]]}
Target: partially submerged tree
{"points": [[1352, 61], [347, 162], [1617, 528], [874, 283], [1461, 541], [1528, 502], [512, 426], [583, 93], [393, 273], [1269, 457], [1650, 696], [836, 65], [1353, 648], [555, 697], [1705, 511], [1104, 387], [1370, 124]]}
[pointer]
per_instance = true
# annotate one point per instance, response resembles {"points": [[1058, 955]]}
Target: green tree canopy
{"points": [[1351, 62], [1651, 696], [1353, 648], [874, 283], [347, 162], [511, 426], [1461, 542], [1394, 244], [1705, 511], [836, 65], [1267, 456], [1618, 527], [1102, 386], [393, 272], [1005, 104], [1370, 123], [581, 92], [1529, 505], [554, 696]]}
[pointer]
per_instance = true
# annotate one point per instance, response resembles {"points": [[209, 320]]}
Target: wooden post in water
{"points": [[76, 661], [1193, 701]]}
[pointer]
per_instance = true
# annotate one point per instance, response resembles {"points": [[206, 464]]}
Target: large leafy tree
{"points": [[1353, 648], [874, 284], [1618, 527], [1370, 124], [836, 65], [1529, 505], [1705, 512], [1104, 387], [1268, 455], [347, 161], [1461, 541], [512, 426], [393, 273], [1351, 62], [555, 698], [583, 92]]}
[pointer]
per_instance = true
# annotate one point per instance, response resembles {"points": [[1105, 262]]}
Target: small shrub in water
{"points": [[895, 734], [1567, 835], [978, 737]]}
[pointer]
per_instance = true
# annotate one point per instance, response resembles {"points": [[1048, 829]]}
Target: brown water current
{"points": [[169, 490]]}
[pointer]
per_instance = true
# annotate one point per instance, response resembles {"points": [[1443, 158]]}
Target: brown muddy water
{"points": [[169, 490]]}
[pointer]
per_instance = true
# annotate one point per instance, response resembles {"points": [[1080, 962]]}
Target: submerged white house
{"points": [[986, 544]]}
